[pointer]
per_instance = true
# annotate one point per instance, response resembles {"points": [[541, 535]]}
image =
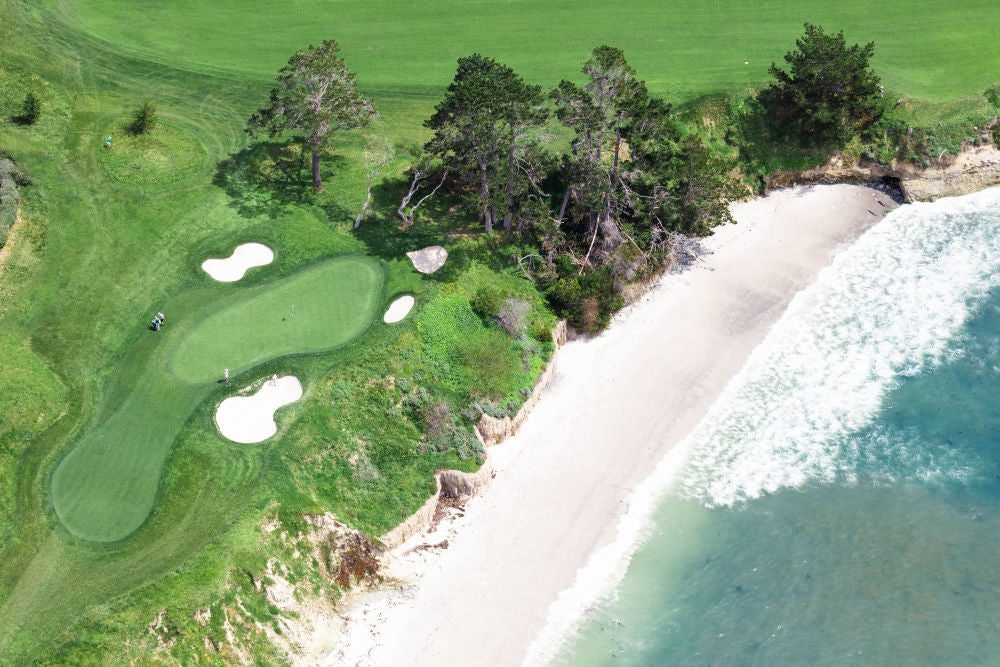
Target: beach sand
{"points": [[616, 406]]}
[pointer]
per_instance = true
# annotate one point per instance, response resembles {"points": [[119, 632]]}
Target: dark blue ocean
{"points": [[840, 504]]}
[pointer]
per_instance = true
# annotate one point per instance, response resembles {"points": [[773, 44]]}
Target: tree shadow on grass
{"points": [[767, 140], [440, 221], [268, 177]]}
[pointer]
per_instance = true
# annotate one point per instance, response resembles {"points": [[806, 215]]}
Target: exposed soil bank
{"points": [[974, 169]]}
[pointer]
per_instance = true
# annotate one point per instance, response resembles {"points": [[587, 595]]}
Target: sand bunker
{"points": [[428, 260], [251, 418], [398, 309], [232, 268]]}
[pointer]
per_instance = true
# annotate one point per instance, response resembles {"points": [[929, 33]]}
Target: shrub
{"points": [[491, 362], [513, 316], [490, 408], [32, 109], [467, 446], [486, 302], [21, 179], [143, 118], [438, 419], [541, 332], [588, 301]]}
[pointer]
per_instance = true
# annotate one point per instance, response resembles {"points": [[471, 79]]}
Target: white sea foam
{"points": [[885, 309]]}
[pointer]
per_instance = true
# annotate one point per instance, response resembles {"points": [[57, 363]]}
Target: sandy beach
{"points": [[616, 407]]}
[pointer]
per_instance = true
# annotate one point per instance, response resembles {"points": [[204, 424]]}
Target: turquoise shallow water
{"points": [[841, 502]]}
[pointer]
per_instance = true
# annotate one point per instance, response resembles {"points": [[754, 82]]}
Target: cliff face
{"points": [[495, 430], [490, 431], [975, 168], [450, 484]]}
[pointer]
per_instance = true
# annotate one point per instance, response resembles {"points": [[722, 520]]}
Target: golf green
{"points": [[106, 486], [317, 309]]}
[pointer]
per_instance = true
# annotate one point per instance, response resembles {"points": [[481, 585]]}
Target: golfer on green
{"points": [[225, 374], [107, 142]]}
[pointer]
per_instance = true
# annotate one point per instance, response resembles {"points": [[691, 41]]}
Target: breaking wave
{"points": [[890, 307]]}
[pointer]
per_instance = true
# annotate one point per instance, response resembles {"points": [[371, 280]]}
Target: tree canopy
{"points": [[316, 96], [486, 132], [829, 93]]}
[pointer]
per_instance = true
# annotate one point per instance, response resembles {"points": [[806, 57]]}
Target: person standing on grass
{"points": [[225, 375], [163, 318], [107, 142]]}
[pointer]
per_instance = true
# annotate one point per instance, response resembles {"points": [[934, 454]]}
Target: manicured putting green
{"points": [[317, 309], [106, 486]]}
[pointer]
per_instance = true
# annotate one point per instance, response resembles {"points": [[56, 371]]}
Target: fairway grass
{"points": [[106, 486], [319, 308], [683, 49]]}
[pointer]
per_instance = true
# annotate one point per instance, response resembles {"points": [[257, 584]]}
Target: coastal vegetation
{"points": [[584, 176]]}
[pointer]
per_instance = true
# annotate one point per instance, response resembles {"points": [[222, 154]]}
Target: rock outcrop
{"points": [[975, 168]]}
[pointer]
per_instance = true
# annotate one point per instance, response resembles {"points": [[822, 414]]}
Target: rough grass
{"points": [[163, 155], [31, 398]]}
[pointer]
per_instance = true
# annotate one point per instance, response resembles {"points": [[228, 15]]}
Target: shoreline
{"points": [[510, 554]]}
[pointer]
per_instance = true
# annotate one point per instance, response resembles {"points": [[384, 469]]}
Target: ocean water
{"points": [[840, 503]]}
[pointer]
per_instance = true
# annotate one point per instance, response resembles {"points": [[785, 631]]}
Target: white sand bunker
{"points": [[428, 260], [245, 257], [251, 418], [398, 309]]}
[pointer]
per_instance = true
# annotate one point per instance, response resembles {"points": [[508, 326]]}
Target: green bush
{"points": [[588, 301], [32, 109], [541, 332], [491, 362], [143, 118], [487, 301]]}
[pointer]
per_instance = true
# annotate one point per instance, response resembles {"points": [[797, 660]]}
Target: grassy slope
{"points": [[83, 278]]}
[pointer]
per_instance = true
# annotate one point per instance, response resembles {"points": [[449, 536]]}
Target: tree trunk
{"points": [[562, 209], [317, 182], [583, 265], [484, 196], [364, 209], [510, 188]]}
